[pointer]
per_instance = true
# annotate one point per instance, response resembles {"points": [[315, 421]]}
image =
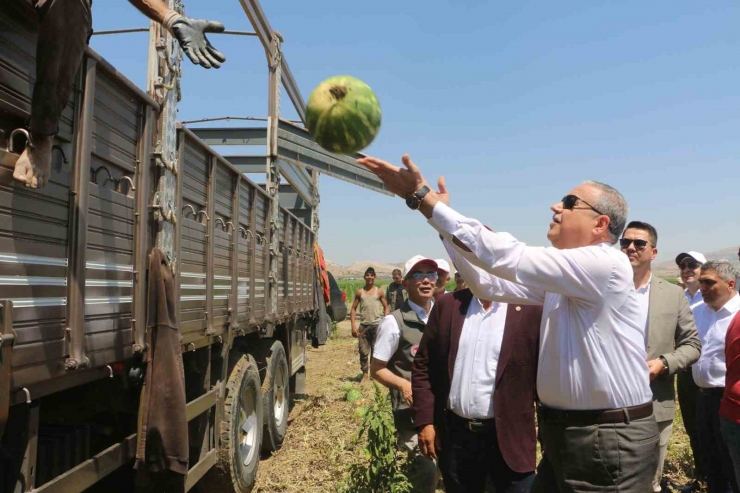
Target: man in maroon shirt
{"points": [[729, 410]]}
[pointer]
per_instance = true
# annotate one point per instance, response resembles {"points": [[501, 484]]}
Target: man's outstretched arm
{"points": [[190, 33]]}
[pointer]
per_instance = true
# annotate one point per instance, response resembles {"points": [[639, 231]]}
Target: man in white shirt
{"points": [[396, 344], [592, 380], [689, 264], [721, 303], [671, 337], [474, 392]]}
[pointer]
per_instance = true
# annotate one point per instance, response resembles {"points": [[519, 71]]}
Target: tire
{"points": [[240, 431], [275, 398]]}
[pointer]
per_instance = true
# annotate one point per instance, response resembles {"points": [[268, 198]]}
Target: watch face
{"points": [[412, 202]]}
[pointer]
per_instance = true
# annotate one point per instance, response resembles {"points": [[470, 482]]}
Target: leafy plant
{"points": [[383, 468], [334, 330]]}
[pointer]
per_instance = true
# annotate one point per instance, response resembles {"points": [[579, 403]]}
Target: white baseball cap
{"points": [[416, 261], [442, 265], [694, 255]]}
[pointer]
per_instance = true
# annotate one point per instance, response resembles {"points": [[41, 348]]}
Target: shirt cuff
{"points": [[445, 219]]}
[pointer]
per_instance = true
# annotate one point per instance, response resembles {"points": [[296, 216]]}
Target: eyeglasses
{"points": [[690, 265], [420, 276], [570, 201], [639, 244]]}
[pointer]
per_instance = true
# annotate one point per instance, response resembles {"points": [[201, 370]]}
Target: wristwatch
{"points": [[665, 364], [414, 199]]}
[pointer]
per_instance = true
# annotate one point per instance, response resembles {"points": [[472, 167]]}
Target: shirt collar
{"points": [[688, 294], [732, 306], [646, 287], [420, 311]]}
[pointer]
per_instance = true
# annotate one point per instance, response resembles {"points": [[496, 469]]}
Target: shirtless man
{"points": [[373, 307], [64, 31]]}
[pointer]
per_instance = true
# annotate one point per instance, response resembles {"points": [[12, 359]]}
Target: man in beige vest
{"points": [[672, 341], [373, 307]]}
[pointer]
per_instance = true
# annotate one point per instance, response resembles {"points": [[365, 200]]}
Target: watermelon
{"points": [[353, 395], [343, 115]]}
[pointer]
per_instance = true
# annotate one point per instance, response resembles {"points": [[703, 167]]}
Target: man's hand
{"points": [[191, 34], [406, 391], [404, 182], [429, 442], [355, 332], [656, 368]]}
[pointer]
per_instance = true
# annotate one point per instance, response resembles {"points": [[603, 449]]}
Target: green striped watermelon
{"points": [[343, 115]]}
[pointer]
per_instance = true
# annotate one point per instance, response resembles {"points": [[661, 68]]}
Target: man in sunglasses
{"points": [[396, 345], [690, 264], [671, 336], [592, 380]]}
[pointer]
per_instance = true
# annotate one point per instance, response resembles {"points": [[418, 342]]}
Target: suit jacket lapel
{"points": [[513, 317], [459, 311]]}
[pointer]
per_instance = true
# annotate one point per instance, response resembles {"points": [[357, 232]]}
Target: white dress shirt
{"points": [[709, 371], [474, 375], [695, 300], [643, 294], [592, 337], [389, 333]]}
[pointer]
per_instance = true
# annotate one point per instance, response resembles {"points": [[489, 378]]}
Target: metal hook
{"points": [[110, 371], [224, 225], [95, 171], [29, 141], [260, 238], [245, 232], [28, 395], [191, 208], [191, 344], [130, 182], [59, 148], [203, 211]]}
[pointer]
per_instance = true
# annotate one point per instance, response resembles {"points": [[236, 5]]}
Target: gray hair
{"points": [[612, 204], [724, 269]]}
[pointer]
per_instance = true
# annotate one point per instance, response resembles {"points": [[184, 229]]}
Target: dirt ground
{"points": [[321, 440]]}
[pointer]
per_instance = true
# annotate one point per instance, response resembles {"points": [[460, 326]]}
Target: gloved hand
{"points": [[191, 34]]}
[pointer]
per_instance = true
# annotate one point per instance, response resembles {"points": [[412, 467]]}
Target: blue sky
{"points": [[514, 102]]}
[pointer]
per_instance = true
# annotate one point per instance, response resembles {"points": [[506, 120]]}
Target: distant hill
{"points": [[669, 269], [357, 269]]}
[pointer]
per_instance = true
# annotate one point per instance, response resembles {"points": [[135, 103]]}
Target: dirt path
{"points": [[322, 430]]}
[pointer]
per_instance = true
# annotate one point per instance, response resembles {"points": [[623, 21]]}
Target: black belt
{"points": [[596, 417], [474, 425], [714, 391]]}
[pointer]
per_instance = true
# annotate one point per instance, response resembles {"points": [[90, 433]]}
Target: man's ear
{"points": [[655, 253], [602, 224]]}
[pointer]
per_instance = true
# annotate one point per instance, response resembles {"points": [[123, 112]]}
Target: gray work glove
{"points": [[191, 34]]}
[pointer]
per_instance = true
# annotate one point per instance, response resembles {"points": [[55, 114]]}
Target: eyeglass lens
{"points": [[625, 243]]}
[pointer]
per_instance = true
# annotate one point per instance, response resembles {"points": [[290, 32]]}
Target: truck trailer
{"points": [[129, 178]]}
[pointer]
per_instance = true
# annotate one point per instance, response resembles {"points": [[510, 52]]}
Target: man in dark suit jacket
{"points": [[462, 360]]}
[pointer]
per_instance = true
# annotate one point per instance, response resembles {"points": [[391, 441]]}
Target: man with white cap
{"points": [[443, 276], [396, 345], [689, 264]]}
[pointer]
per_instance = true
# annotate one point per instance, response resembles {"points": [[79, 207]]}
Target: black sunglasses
{"points": [[569, 202], [690, 264], [639, 244]]}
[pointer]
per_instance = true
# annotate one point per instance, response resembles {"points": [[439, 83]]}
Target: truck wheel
{"points": [[275, 398], [241, 432]]}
